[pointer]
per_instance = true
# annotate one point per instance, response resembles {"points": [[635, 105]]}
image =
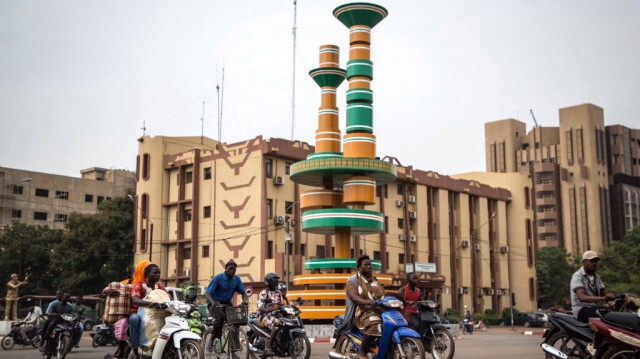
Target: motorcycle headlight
{"points": [[68, 317], [289, 311], [393, 303]]}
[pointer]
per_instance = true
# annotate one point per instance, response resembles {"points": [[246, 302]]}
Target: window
{"points": [[17, 189], [100, 199], [41, 192], [401, 258], [62, 194], [376, 255], [137, 168], [88, 198], [145, 165], [207, 212], [268, 167], [569, 145], [400, 223], [287, 167], [290, 247], [269, 208], [16, 213], [526, 197], [59, 217], [207, 173], [40, 216], [413, 258], [288, 207], [320, 252], [144, 204], [187, 215], [386, 257], [205, 251], [186, 253], [189, 177], [269, 249], [400, 188], [303, 249], [386, 224]]}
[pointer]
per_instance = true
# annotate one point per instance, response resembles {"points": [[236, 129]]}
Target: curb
{"points": [[531, 332], [322, 340]]}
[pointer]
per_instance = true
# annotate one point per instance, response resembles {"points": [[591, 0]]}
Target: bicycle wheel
{"points": [[237, 344]]}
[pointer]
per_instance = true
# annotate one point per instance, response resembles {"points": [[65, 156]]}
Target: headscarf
{"points": [[138, 275]]}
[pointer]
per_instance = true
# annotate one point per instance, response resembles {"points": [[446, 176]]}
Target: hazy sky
{"points": [[78, 78]]}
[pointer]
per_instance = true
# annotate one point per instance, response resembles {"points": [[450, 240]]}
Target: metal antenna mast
{"points": [[220, 101], [202, 122], [293, 74]]}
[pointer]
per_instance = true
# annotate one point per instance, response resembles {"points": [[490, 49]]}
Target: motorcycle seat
{"points": [[569, 319], [256, 322], [628, 320]]}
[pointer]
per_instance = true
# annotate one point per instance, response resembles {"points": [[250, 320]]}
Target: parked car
{"points": [[524, 319]]}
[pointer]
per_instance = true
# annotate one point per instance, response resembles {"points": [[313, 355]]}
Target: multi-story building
{"points": [[571, 172], [38, 198], [200, 202]]}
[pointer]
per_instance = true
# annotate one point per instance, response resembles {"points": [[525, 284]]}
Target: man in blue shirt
{"points": [[219, 294]]}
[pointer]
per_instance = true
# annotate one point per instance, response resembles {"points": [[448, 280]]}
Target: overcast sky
{"points": [[79, 78]]}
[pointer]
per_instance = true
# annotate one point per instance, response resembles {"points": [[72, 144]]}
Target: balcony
{"points": [[547, 214], [546, 186], [547, 229], [546, 201]]}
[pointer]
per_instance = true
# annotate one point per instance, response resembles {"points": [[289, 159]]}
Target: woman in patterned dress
{"points": [[266, 307]]}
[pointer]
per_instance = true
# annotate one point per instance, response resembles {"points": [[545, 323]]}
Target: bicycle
{"points": [[233, 344]]}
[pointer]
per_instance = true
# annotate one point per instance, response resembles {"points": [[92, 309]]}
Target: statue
{"points": [[11, 307]]}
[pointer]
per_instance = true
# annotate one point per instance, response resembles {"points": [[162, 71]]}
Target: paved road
{"points": [[496, 343]]}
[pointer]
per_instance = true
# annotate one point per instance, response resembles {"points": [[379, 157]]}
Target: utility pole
{"points": [[287, 242]]}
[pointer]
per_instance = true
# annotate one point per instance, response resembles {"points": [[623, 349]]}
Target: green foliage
{"points": [[25, 250], [554, 269], [96, 248], [619, 265]]}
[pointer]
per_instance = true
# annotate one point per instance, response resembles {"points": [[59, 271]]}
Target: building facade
{"points": [[200, 203], [38, 198], [572, 169]]}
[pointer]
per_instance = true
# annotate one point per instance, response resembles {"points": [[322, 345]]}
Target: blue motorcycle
{"points": [[397, 340]]}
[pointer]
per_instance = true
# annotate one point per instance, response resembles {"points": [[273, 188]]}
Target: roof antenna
{"points": [[293, 77], [143, 128]]}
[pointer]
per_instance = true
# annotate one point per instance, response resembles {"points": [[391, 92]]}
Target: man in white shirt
{"points": [[30, 322]]}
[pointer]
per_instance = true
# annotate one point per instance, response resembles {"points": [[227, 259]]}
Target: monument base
{"points": [[5, 326]]}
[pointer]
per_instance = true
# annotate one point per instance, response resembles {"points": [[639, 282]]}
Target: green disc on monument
{"points": [[328, 76], [360, 14]]}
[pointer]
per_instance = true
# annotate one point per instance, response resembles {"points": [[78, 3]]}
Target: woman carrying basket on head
{"points": [[219, 294], [269, 300]]}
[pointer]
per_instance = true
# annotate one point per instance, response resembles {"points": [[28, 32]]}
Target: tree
{"points": [[96, 248], [25, 250], [554, 269], [619, 265]]}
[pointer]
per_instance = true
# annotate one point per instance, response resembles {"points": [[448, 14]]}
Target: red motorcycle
{"points": [[615, 335]]}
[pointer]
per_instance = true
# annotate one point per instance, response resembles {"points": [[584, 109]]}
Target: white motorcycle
{"points": [[184, 344]]}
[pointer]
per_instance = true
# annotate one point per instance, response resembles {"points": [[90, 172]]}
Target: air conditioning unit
{"points": [[402, 237], [460, 290], [504, 249], [201, 290], [278, 220], [477, 247], [399, 203], [413, 238], [490, 291], [186, 272], [499, 292], [411, 199], [464, 244], [413, 214], [480, 292], [278, 180]]}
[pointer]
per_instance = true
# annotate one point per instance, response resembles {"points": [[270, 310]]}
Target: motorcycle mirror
{"points": [[268, 301], [299, 300]]}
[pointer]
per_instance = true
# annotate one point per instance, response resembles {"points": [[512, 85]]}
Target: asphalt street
{"points": [[495, 343]]}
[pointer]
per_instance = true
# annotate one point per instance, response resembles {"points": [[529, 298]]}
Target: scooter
{"points": [[615, 335], [436, 337], [397, 340], [566, 337], [177, 331], [14, 337], [103, 334], [291, 340], [59, 342]]}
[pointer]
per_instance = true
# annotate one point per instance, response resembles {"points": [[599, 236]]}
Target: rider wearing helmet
{"points": [[190, 295], [283, 290], [269, 300]]}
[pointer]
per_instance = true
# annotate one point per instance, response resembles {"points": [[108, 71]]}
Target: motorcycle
{"points": [[102, 335], [14, 337], [436, 338], [177, 331], [59, 343], [615, 335], [291, 339], [569, 338], [397, 340]]}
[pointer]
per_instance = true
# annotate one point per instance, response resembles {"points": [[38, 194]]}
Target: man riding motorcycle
{"points": [[269, 300]]}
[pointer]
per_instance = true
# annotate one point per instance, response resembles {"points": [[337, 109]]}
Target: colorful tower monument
{"points": [[346, 179]]}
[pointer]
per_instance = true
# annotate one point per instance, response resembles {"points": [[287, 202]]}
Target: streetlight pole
{"points": [[287, 242]]}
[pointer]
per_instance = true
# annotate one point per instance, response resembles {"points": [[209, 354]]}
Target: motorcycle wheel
{"points": [[8, 342], [35, 342], [96, 341], [411, 347], [300, 347], [258, 342], [345, 346], [619, 352], [191, 349], [565, 344], [63, 347], [442, 345]]}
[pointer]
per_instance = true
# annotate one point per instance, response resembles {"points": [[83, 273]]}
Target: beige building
{"points": [[569, 184], [200, 203], [37, 198]]}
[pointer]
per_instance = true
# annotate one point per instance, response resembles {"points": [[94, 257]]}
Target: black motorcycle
{"points": [[102, 335], [435, 337], [291, 339], [14, 337], [60, 340]]}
